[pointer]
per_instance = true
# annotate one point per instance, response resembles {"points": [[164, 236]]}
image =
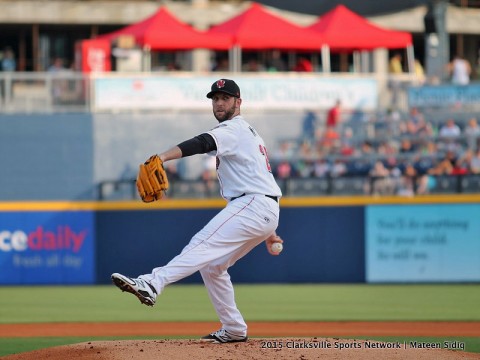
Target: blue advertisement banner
{"points": [[443, 96], [423, 243], [47, 247]]}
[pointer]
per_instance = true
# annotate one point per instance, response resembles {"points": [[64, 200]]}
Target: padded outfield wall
{"points": [[345, 240]]}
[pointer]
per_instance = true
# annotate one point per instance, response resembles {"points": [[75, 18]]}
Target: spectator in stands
{"points": [[420, 182], [339, 168], [330, 140], [57, 65], [221, 64], [305, 151], [406, 185], [415, 115], [459, 70], [333, 114], [367, 148], [472, 133], [309, 127], [347, 145], [276, 62], [379, 180], [321, 168], [172, 170], [424, 128], [303, 168], [8, 62], [419, 72], [406, 146], [395, 65], [209, 173], [285, 151], [449, 134], [393, 121], [174, 66], [416, 125], [387, 148], [59, 84], [428, 148], [444, 166], [253, 65], [303, 65], [475, 162], [284, 170], [463, 163], [424, 163]]}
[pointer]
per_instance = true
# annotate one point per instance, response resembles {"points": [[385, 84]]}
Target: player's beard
{"points": [[227, 114]]}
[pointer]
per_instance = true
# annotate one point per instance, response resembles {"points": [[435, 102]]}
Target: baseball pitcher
{"points": [[250, 217]]}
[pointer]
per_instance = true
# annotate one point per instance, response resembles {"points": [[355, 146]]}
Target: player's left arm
{"points": [[200, 144], [274, 238]]}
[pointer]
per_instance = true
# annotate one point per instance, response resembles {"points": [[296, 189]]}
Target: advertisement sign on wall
{"points": [[93, 56], [47, 247], [422, 243], [441, 96], [292, 93]]}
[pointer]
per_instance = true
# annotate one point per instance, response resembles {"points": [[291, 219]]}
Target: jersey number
{"points": [[263, 150]]}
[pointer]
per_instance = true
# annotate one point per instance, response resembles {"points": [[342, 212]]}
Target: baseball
{"points": [[277, 247]]}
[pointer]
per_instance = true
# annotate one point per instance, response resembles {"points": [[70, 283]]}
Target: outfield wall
{"points": [[346, 240]]}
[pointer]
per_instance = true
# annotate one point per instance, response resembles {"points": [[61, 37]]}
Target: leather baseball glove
{"points": [[152, 180]]}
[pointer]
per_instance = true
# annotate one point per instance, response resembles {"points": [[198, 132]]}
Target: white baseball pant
{"points": [[243, 224]]}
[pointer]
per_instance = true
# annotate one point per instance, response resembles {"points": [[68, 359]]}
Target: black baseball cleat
{"points": [[144, 291], [222, 336]]}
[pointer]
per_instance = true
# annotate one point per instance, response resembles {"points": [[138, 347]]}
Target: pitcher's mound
{"points": [[268, 349]]}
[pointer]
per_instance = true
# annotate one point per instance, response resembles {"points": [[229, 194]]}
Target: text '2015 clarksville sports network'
{"points": [[367, 344]]}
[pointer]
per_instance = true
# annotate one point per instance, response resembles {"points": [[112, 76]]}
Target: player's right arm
{"points": [[274, 238]]}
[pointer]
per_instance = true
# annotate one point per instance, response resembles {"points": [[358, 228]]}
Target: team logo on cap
{"points": [[220, 84]]}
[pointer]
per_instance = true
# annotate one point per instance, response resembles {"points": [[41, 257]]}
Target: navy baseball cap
{"points": [[226, 86]]}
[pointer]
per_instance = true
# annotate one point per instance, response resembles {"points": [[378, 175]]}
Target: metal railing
{"points": [[44, 92], [308, 187], [70, 91]]}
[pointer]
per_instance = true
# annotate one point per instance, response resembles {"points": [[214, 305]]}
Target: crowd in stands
{"points": [[402, 153]]}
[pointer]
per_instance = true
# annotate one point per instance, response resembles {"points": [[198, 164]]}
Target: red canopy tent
{"points": [[163, 31], [258, 29], [342, 29]]}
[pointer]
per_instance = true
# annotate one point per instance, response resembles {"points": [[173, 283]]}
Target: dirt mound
{"points": [[254, 349]]}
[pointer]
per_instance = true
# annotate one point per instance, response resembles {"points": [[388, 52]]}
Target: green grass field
{"points": [[257, 303]]}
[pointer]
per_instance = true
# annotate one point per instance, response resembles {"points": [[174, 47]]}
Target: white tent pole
{"points": [[356, 62], [365, 61], [231, 58], [410, 59], [239, 59], [233, 54], [235, 58], [146, 58], [326, 58]]}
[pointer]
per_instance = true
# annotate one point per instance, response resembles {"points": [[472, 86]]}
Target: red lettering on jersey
{"points": [[263, 151]]}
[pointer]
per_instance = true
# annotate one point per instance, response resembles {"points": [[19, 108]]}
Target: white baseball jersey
{"points": [[242, 160]]}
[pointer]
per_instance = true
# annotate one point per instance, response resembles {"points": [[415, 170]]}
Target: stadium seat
{"points": [[470, 184], [307, 187], [445, 185], [184, 189], [348, 185]]}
